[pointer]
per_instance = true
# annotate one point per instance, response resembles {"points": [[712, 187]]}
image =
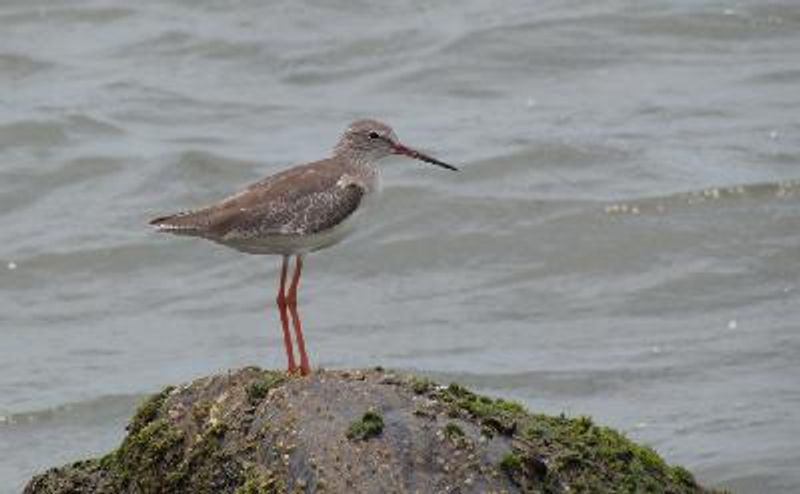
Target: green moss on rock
{"points": [[257, 390], [511, 463], [587, 456], [494, 414], [259, 483], [421, 385], [148, 410], [258, 432], [368, 426], [147, 456], [452, 431]]}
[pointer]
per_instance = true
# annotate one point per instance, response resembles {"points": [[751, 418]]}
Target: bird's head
{"points": [[370, 140]]}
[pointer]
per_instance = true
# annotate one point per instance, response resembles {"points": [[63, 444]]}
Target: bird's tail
{"points": [[183, 223]]}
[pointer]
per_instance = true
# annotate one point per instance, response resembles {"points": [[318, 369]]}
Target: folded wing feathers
{"points": [[278, 205]]}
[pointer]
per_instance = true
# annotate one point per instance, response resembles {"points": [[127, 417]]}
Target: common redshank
{"points": [[299, 210]]}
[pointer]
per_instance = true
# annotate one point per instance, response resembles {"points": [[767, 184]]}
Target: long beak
{"points": [[398, 148]]}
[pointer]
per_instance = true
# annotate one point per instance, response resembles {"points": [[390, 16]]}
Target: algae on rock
{"points": [[253, 431], [370, 425]]}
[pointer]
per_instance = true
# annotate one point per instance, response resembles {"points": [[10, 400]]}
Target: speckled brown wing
{"points": [[307, 214], [301, 200]]}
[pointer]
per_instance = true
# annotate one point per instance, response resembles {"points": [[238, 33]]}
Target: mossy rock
{"points": [[255, 432]]}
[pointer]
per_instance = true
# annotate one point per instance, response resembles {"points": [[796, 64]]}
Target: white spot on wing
{"points": [[346, 180]]}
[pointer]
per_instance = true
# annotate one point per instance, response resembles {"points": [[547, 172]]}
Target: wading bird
{"points": [[299, 210]]}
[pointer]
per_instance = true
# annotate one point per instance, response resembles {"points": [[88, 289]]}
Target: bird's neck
{"points": [[361, 167], [354, 157]]}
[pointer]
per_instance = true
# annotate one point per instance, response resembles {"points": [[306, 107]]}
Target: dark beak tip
{"points": [[446, 166], [412, 153]]}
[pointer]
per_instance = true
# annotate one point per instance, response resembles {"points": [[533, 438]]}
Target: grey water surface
{"points": [[623, 241]]}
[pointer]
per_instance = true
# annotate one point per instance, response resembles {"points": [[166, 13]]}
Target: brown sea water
{"points": [[623, 240]]}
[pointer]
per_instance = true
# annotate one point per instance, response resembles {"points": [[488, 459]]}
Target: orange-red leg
{"points": [[291, 302], [282, 306]]}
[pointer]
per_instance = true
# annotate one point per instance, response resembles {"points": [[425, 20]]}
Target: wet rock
{"points": [[254, 431]]}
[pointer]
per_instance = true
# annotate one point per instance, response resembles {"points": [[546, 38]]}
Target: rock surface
{"points": [[253, 431]]}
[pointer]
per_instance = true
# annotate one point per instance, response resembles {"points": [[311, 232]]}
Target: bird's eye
{"points": [[374, 135]]}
